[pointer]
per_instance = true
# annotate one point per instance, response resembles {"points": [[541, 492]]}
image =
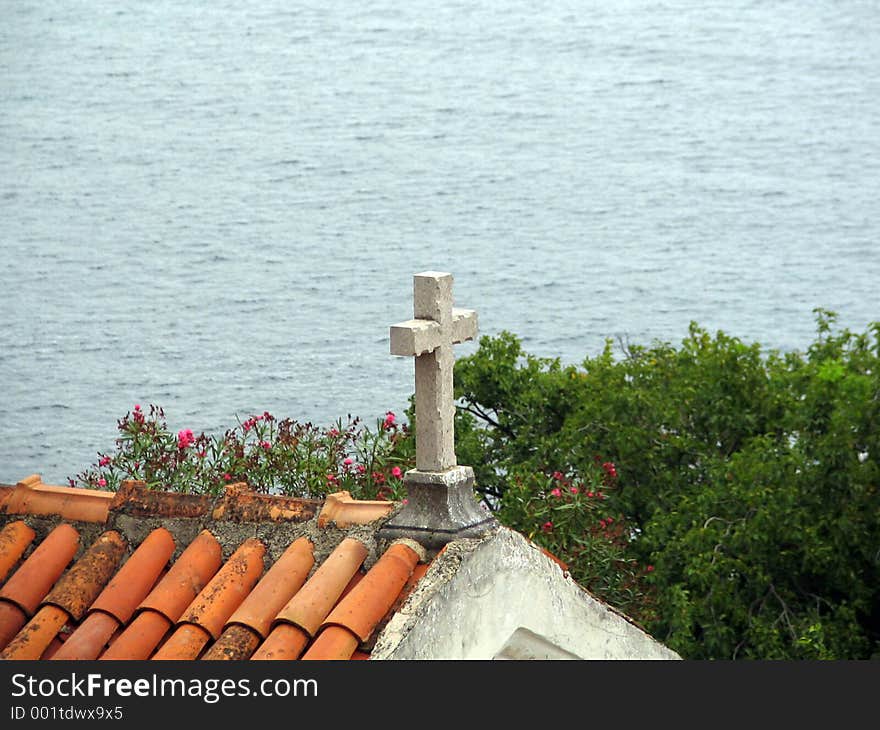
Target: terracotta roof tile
{"points": [[89, 639], [343, 511], [187, 577], [151, 605], [241, 504], [159, 611], [276, 588], [252, 620], [333, 643], [287, 641], [227, 589], [35, 637], [15, 537], [362, 609], [117, 602], [205, 617], [236, 643], [31, 496], [69, 598], [140, 638], [22, 593], [83, 582], [308, 608]]}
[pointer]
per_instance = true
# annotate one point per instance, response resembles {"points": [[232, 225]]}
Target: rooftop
{"points": [[140, 574]]}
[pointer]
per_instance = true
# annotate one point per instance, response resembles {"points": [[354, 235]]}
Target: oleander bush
{"points": [[273, 456]]}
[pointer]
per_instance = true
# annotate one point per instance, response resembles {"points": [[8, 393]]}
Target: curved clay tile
{"points": [[285, 642], [344, 511], [334, 642], [22, 593], [69, 599], [114, 607], [227, 588], [158, 612], [32, 640], [31, 496], [186, 578], [89, 638], [275, 588], [237, 643], [308, 608], [12, 618], [135, 579], [205, 617], [30, 583], [362, 609], [185, 643], [140, 638], [15, 537], [80, 586]]}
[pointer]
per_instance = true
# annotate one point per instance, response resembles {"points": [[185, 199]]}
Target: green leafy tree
{"points": [[747, 479]]}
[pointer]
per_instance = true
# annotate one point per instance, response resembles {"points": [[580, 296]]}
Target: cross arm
{"points": [[464, 325], [415, 337]]}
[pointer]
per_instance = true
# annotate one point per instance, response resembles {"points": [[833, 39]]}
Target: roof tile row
{"points": [[107, 606]]}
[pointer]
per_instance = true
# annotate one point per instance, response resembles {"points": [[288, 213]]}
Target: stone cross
{"points": [[429, 338]]}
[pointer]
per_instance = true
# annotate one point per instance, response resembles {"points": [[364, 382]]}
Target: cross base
{"points": [[440, 508]]}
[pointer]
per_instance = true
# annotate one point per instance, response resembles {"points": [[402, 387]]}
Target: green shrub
{"points": [[748, 479]]}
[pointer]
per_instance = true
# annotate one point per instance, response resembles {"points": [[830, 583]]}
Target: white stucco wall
{"points": [[501, 597]]}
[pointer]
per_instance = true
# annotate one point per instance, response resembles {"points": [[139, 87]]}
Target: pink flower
{"points": [[102, 482], [331, 479], [348, 461], [395, 472], [557, 492], [574, 490], [602, 524], [547, 526], [137, 406], [104, 461], [390, 418], [590, 494], [650, 568], [608, 466], [265, 445], [361, 468], [227, 476], [333, 432], [185, 438], [609, 520]]}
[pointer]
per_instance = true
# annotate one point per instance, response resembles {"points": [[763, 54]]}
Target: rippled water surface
{"points": [[218, 208]]}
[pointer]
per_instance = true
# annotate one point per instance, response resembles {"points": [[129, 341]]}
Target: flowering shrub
{"points": [[569, 515], [271, 455]]}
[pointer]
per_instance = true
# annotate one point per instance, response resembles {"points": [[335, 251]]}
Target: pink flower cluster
{"points": [[253, 420], [185, 438], [389, 421]]}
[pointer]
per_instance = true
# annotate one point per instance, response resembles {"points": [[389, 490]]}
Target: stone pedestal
{"points": [[440, 508]]}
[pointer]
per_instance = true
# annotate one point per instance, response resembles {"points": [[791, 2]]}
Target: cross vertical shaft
{"points": [[429, 338]]}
